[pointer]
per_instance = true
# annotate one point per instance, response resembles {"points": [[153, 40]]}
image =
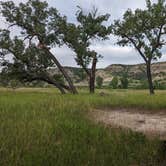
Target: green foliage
{"points": [[48, 129], [25, 66], [158, 85], [29, 63], [80, 73], [30, 47], [33, 17], [144, 29], [142, 85], [59, 78], [124, 81], [79, 37], [114, 83], [14, 84], [99, 81]]}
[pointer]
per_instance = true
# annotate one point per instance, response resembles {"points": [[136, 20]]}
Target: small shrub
{"points": [[99, 81]]}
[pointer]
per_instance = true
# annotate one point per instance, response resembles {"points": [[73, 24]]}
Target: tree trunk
{"points": [[49, 81], [68, 79], [59, 87], [92, 76], [91, 85], [149, 75]]}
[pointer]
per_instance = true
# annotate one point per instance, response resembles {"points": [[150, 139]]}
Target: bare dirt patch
{"points": [[148, 124]]}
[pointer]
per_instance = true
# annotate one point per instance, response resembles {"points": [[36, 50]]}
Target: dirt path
{"points": [[149, 124]]}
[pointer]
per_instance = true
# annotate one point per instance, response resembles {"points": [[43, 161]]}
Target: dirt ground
{"points": [[153, 125]]}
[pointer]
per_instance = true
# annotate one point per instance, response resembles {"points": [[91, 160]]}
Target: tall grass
{"points": [[41, 127]]}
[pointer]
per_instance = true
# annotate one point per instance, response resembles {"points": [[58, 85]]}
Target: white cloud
{"points": [[110, 48], [112, 54]]}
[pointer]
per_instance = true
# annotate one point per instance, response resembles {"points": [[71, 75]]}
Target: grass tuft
{"points": [[42, 127]]}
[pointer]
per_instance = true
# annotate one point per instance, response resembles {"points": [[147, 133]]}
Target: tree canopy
{"points": [[42, 28], [28, 63], [145, 30], [34, 19], [79, 37]]}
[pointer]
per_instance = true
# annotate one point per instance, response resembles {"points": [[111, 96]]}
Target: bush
{"points": [[124, 82], [114, 83], [14, 84], [158, 85], [99, 81]]}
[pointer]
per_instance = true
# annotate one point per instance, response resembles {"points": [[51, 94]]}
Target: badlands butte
{"points": [[135, 73]]}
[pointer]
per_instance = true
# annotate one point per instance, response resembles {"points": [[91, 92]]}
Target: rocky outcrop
{"points": [[135, 72]]}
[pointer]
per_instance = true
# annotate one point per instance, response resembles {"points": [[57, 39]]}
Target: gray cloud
{"points": [[112, 54]]}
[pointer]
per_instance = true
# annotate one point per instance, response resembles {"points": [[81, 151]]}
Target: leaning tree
{"points": [[80, 36], [26, 64], [145, 30], [33, 18]]}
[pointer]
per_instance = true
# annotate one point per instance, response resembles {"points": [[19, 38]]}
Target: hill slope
{"points": [[134, 72]]}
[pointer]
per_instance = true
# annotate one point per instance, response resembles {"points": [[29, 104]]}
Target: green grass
{"points": [[41, 127]]}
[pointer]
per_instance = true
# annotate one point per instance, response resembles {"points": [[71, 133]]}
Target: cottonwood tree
{"points": [[145, 30], [80, 36], [33, 18], [28, 63]]}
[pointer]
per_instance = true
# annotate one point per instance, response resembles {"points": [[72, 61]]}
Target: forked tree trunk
{"points": [[68, 79], [92, 76], [149, 75]]}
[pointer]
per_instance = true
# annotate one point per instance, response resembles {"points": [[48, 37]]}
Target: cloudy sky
{"points": [[112, 54]]}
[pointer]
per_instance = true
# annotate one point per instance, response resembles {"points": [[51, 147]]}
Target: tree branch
{"points": [[158, 40], [137, 48]]}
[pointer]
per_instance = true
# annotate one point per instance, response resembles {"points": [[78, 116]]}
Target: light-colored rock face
{"points": [[107, 77], [159, 68], [135, 72]]}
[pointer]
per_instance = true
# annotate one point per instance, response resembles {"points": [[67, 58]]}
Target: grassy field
{"points": [[41, 127]]}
